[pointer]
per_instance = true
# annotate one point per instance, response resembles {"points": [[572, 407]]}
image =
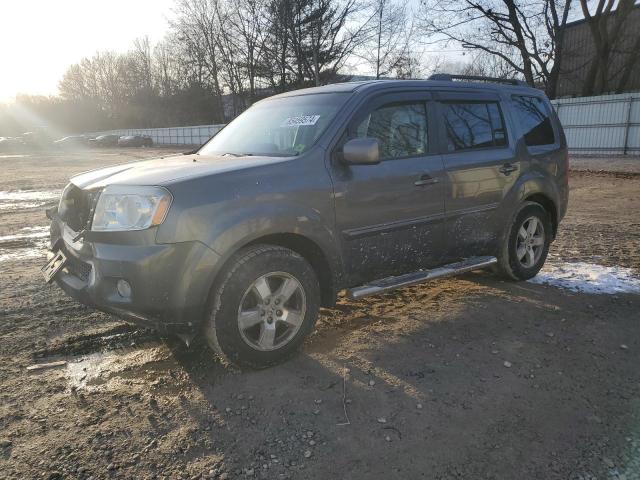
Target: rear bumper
{"points": [[170, 283]]}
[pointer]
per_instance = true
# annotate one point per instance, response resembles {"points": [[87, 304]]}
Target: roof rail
{"points": [[446, 77]]}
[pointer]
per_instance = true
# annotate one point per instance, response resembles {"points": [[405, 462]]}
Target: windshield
{"points": [[279, 127]]}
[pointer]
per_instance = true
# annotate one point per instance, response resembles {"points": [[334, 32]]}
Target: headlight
{"points": [[123, 207]]}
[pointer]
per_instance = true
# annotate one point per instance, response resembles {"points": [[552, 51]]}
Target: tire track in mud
{"points": [[112, 339]]}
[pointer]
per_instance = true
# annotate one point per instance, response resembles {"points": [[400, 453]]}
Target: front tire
{"points": [[266, 303], [526, 245]]}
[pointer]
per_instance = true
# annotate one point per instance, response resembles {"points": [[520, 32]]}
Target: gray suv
{"points": [[364, 186]]}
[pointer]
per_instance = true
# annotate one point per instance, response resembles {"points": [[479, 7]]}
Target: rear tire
{"points": [[526, 245], [265, 304]]}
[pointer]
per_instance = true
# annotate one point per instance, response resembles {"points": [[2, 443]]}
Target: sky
{"points": [[39, 39]]}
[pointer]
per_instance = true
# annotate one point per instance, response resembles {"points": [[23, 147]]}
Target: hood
{"points": [[165, 170]]}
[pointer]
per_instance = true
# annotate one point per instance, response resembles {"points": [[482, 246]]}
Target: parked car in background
{"points": [[10, 144], [364, 186], [31, 138], [109, 140], [72, 141], [135, 141]]}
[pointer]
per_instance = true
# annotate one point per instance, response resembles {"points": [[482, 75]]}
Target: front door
{"points": [[481, 168], [390, 215]]}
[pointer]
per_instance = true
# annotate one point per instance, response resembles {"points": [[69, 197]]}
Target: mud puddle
{"points": [[583, 277], [111, 369], [119, 356], [23, 199], [121, 336]]}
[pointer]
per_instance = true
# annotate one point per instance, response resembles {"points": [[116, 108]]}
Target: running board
{"points": [[391, 283]]}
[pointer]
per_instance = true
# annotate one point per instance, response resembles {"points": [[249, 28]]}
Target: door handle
{"points": [[425, 179], [507, 169]]}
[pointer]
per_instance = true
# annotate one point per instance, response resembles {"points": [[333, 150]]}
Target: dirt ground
{"points": [[467, 378]]}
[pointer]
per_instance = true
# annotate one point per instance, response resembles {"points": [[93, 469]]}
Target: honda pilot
{"points": [[364, 187]]}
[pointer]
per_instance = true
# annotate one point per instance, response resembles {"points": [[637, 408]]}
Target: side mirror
{"points": [[361, 151]]}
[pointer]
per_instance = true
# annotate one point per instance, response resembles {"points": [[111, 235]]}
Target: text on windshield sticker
{"points": [[300, 120]]}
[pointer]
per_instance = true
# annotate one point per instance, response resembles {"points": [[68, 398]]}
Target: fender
{"points": [[245, 226], [530, 183], [229, 210]]}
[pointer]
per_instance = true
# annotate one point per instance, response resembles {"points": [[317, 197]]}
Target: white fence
{"points": [[196, 135], [606, 124]]}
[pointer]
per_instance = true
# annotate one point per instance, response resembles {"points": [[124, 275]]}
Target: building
{"points": [[578, 54]]}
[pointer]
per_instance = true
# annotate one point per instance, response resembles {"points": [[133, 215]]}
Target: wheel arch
{"points": [[549, 205], [312, 253], [303, 246]]}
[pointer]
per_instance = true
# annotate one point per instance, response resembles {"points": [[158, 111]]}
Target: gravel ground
{"points": [[620, 163], [464, 378]]}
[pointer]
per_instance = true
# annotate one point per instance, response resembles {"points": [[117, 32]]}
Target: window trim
{"points": [[444, 146]]}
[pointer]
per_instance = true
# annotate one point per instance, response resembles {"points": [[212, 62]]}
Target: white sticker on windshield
{"points": [[300, 121]]}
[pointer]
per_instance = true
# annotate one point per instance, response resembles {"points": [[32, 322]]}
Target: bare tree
{"points": [[321, 39], [73, 86], [140, 64], [197, 27], [275, 62], [483, 64], [525, 35], [387, 45], [168, 72], [220, 54], [246, 20]]}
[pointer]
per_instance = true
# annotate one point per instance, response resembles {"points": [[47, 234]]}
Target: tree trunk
{"points": [[629, 66], [527, 67], [379, 39]]}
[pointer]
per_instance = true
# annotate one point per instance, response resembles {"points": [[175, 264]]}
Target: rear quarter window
{"points": [[534, 119]]}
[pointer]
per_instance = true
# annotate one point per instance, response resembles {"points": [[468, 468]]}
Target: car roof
{"points": [[382, 85]]}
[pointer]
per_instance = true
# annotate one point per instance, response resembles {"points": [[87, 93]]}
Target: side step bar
{"points": [[391, 283]]}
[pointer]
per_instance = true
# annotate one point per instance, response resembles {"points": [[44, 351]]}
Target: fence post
{"points": [[627, 126]]}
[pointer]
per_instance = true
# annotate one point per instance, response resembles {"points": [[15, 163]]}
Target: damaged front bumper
{"points": [[168, 284]]}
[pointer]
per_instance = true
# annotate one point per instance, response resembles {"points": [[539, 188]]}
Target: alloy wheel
{"points": [[271, 311], [530, 242]]}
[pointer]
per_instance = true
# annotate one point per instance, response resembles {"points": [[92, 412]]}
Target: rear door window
{"points": [[471, 125], [534, 120]]}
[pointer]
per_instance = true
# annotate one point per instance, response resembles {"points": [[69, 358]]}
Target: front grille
{"points": [[75, 266], [76, 207], [78, 268]]}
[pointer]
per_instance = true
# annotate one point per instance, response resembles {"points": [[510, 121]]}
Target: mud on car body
{"points": [[365, 186]]}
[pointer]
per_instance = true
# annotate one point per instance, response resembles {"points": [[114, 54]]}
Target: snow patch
{"points": [[21, 199], [29, 242], [28, 232], [584, 277], [22, 254]]}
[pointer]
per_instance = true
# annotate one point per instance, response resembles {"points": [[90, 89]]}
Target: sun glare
{"points": [[39, 39]]}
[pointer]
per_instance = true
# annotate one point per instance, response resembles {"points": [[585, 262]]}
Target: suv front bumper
{"points": [[170, 283]]}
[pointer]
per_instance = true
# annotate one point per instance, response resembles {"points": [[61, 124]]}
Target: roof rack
{"points": [[446, 77]]}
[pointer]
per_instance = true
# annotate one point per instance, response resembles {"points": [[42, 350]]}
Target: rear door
{"points": [[481, 167], [390, 215]]}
